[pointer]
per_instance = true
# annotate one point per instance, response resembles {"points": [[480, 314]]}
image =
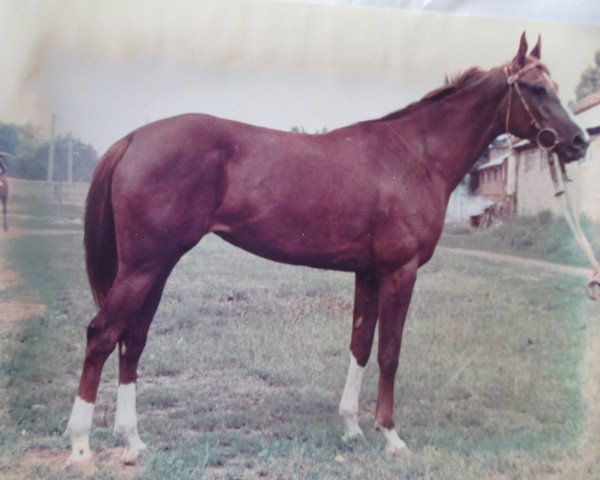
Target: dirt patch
{"points": [[15, 232], [16, 310], [529, 263], [13, 312], [52, 462], [8, 277]]}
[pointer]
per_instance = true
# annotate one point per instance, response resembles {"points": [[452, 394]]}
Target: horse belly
{"points": [[331, 250]]}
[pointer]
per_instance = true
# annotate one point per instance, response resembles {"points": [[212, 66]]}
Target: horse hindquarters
{"points": [[128, 294], [129, 258]]}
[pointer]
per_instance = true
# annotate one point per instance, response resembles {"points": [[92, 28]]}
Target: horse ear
{"points": [[537, 50], [521, 56]]}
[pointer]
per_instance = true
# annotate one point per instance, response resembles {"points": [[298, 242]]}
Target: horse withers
{"points": [[369, 198]]}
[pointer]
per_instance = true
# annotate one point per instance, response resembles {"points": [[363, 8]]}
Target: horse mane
{"points": [[451, 85]]}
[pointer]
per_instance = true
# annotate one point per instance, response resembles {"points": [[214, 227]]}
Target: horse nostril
{"points": [[580, 142]]}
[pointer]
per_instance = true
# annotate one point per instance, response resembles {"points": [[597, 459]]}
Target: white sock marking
{"points": [[395, 445], [126, 422], [78, 429], [349, 402]]}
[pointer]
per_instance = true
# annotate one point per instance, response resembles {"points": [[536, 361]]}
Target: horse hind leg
{"points": [[131, 346], [124, 306]]}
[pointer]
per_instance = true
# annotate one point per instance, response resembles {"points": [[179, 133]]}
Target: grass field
{"points": [[543, 236], [246, 362]]}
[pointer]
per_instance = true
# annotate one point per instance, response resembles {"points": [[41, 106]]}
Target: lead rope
{"points": [[559, 179]]}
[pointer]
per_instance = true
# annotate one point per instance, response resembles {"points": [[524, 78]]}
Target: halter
{"points": [[558, 174], [546, 137]]}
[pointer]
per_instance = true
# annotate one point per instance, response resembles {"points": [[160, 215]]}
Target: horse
{"points": [[4, 200], [369, 199]]}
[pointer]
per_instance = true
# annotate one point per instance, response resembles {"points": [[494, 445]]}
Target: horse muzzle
{"points": [[569, 150]]}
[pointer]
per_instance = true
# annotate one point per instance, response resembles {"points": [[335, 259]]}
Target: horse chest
{"points": [[408, 227]]}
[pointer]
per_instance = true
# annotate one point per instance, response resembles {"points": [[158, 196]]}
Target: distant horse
{"points": [[4, 200], [369, 198]]}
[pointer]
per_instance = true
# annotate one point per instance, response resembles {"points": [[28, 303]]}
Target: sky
{"points": [[105, 68]]}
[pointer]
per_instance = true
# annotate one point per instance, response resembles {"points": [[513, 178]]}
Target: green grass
{"points": [[246, 361], [542, 236], [35, 213]]}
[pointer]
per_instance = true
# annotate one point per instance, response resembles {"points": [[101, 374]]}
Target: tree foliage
{"points": [[29, 151], [590, 79]]}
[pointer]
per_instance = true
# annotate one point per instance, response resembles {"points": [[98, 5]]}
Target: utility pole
{"points": [[51, 154], [70, 160]]}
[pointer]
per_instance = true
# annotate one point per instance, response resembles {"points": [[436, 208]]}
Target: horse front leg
{"points": [[364, 320], [395, 293]]}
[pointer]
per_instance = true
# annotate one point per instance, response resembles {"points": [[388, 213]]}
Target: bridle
{"points": [[546, 137]]}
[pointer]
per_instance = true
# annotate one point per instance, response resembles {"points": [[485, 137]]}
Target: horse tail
{"points": [[99, 232]]}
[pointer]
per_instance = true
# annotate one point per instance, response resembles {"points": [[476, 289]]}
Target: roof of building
{"points": [[494, 162], [592, 100], [587, 111]]}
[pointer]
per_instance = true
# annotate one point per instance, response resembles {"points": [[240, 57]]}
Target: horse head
{"points": [[534, 110]]}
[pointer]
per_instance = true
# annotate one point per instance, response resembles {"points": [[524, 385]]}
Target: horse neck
{"points": [[456, 130]]}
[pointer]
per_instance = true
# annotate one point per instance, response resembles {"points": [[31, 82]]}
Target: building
{"points": [[496, 179], [518, 180]]}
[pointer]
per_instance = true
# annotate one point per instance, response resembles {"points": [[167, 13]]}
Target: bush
{"points": [[545, 217]]}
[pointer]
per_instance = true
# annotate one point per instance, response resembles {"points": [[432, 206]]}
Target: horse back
{"points": [[318, 200]]}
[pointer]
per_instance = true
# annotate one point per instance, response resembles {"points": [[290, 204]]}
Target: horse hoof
{"points": [[396, 447], [130, 456], [352, 430], [131, 453], [397, 451], [352, 435], [79, 456]]}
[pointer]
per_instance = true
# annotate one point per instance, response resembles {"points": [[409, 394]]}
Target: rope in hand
{"points": [[559, 179]]}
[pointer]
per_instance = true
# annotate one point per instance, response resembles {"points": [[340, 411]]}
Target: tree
{"points": [[22, 143], [9, 138], [590, 79], [84, 159], [30, 154]]}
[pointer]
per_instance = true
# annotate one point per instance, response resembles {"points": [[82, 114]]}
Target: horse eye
{"points": [[539, 90]]}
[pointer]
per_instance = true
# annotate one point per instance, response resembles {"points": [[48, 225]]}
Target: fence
{"points": [[51, 192]]}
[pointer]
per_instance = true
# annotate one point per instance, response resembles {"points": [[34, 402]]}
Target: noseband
{"points": [[546, 137]]}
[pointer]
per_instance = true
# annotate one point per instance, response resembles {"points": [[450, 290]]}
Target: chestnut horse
{"points": [[369, 198]]}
